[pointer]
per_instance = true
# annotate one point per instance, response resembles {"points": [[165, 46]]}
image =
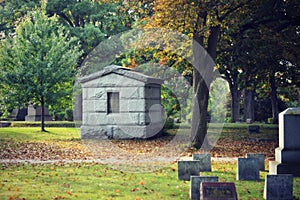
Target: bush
{"points": [[47, 124]]}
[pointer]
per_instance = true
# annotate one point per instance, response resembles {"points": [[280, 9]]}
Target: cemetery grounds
{"points": [[57, 165]]}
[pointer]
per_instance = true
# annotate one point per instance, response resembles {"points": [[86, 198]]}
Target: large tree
{"points": [[38, 63], [260, 47], [203, 22]]}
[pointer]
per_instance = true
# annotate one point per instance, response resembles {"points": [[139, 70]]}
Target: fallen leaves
{"points": [[131, 149], [43, 150]]}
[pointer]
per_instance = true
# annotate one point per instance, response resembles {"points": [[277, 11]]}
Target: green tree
{"points": [[38, 64], [12, 11]]}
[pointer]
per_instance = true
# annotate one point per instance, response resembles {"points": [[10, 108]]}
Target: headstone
{"points": [[18, 114], [278, 187], [253, 129], [188, 168], [195, 185], [5, 124], [205, 161], [287, 154], [261, 159], [218, 191], [249, 121], [35, 113], [247, 169], [78, 107]]}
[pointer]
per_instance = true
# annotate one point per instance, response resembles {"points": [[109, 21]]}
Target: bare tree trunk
{"points": [[235, 103], [249, 104], [273, 96], [43, 115], [199, 114]]}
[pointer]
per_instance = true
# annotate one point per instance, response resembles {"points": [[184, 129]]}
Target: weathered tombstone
{"points": [[218, 191], [35, 113], [195, 185], [247, 169], [249, 121], [278, 187], [261, 159], [253, 129], [18, 114], [287, 154], [205, 161], [5, 124], [78, 108], [188, 168]]}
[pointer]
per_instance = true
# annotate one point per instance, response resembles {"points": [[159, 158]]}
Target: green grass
{"points": [[95, 181], [88, 181], [19, 134]]}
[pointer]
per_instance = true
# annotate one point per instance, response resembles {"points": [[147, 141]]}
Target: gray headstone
{"points": [[34, 114], [249, 121], [18, 114], [247, 169], [261, 159], [278, 187], [218, 191], [253, 129], [205, 161], [189, 168], [195, 185], [287, 154]]}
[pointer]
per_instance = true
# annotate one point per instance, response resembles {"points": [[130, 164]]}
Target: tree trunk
{"points": [[273, 96], [249, 104], [235, 103], [199, 113], [202, 78], [43, 115]]}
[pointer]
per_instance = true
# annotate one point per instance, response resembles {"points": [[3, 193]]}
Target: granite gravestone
{"points": [[278, 187], [247, 169], [205, 160], [218, 191], [35, 113], [261, 159], [188, 168], [253, 129], [287, 154], [18, 114], [195, 185]]}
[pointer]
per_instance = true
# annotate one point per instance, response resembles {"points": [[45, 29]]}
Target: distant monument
{"points": [[287, 154], [17, 114], [120, 103], [35, 113]]}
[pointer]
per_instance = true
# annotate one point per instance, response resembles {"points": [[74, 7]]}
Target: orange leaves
{"points": [[135, 189], [42, 150], [142, 182]]}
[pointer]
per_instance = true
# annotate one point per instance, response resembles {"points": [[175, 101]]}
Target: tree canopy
{"points": [[39, 62]]}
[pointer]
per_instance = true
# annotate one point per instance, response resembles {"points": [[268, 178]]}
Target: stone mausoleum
{"points": [[120, 103]]}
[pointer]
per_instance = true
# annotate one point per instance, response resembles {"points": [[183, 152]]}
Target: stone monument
{"points": [[35, 113], [18, 114], [120, 103], [287, 154]]}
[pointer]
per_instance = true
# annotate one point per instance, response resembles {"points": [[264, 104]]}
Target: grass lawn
{"points": [[98, 181], [93, 181]]}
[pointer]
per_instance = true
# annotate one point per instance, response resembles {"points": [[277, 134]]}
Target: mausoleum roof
{"points": [[123, 71]]}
